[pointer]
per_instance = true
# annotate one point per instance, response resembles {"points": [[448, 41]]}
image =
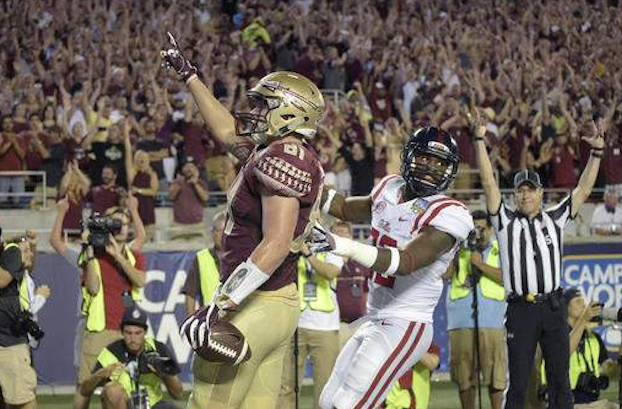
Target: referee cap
{"points": [[527, 176]]}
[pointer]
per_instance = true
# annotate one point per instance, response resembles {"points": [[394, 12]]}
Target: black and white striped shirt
{"points": [[531, 250]]}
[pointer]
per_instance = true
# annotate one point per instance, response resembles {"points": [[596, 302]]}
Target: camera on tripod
{"points": [[26, 325], [100, 227]]}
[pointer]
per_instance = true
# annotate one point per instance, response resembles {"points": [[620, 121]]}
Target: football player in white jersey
{"points": [[416, 231]]}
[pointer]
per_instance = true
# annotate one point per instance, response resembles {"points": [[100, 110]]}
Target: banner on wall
{"points": [[163, 302], [595, 268]]}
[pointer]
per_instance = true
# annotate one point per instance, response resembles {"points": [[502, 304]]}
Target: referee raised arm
{"points": [[530, 245]]}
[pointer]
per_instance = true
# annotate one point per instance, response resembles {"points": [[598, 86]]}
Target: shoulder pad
{"points": [[286, 169]]}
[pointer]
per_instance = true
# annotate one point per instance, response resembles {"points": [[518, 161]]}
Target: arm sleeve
{"points": [[501, 218], [454, 220], [285, 169], [562, 212]]}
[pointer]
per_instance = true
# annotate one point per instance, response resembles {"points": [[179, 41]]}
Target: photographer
{"points": [[32, 298], [589, 366], [132, 365], [18, 379], [113, 273], [477, 267]]}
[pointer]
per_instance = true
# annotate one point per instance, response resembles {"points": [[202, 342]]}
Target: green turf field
{"points": [[444, 396]]}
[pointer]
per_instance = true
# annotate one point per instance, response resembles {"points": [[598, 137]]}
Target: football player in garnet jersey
{"points": [[416, 231], [269, 207]]}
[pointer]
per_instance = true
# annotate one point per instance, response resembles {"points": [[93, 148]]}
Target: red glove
{"points": [[173, 60]]}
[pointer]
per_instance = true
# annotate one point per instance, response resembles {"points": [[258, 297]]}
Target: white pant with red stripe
{"points": [[378, 353]]}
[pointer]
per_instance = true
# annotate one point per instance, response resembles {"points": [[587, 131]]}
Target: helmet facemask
{"points": [[254, 124], [423, 177]]}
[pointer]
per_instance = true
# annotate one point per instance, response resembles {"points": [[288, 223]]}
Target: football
{"points": [[225, 345]]}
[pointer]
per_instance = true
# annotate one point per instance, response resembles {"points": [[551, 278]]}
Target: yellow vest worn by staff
{"points": [[24, 299], [489, 288], [209, 276], [401, 398], [323, 301], [93, 305], [149, 381], [581, 362]]}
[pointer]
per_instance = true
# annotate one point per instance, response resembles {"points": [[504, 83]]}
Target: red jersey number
{"points": [[382, 240]]}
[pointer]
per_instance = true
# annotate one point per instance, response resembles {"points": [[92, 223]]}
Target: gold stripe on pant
{"points": [[268, 320]]}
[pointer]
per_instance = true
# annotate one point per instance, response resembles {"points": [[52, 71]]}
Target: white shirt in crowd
{"points": [[604, 219]]}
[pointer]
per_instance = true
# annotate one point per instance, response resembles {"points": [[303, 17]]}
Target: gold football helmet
{"points": [[281, 103]]}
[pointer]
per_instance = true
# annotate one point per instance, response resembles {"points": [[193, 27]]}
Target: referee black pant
{"points": [[527, 325]]}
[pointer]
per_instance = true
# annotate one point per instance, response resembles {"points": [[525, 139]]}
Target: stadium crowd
{"points": [[80, 77]]}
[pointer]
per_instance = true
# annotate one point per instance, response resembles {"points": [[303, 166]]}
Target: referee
{"points": [[531, 245]]}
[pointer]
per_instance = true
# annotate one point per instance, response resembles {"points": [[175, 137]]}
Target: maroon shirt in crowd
{"points": [[263, 172], [146, 204], [562, 169], [188, 206], [10, 160], [73, 217], [103, 198], [194, 138]]}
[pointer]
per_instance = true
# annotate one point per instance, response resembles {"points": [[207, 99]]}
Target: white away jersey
{"points": [[394, 224]]}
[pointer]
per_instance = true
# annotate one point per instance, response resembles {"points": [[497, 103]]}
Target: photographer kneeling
{"points": [[133, 369], [589, 365], [18, 379]]}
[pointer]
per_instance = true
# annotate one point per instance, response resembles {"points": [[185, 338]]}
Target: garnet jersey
{"points": [[396, 223], [283, 169]]}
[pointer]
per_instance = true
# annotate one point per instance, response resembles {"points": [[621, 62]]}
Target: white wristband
{"points": [[329, 199], [395, 261], [245, 279], [359, 252]]}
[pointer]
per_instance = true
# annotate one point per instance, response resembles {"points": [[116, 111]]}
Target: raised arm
{"points": [[129, 155], [493, 194], [580, 193], [216, 116], [56, 236]]}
